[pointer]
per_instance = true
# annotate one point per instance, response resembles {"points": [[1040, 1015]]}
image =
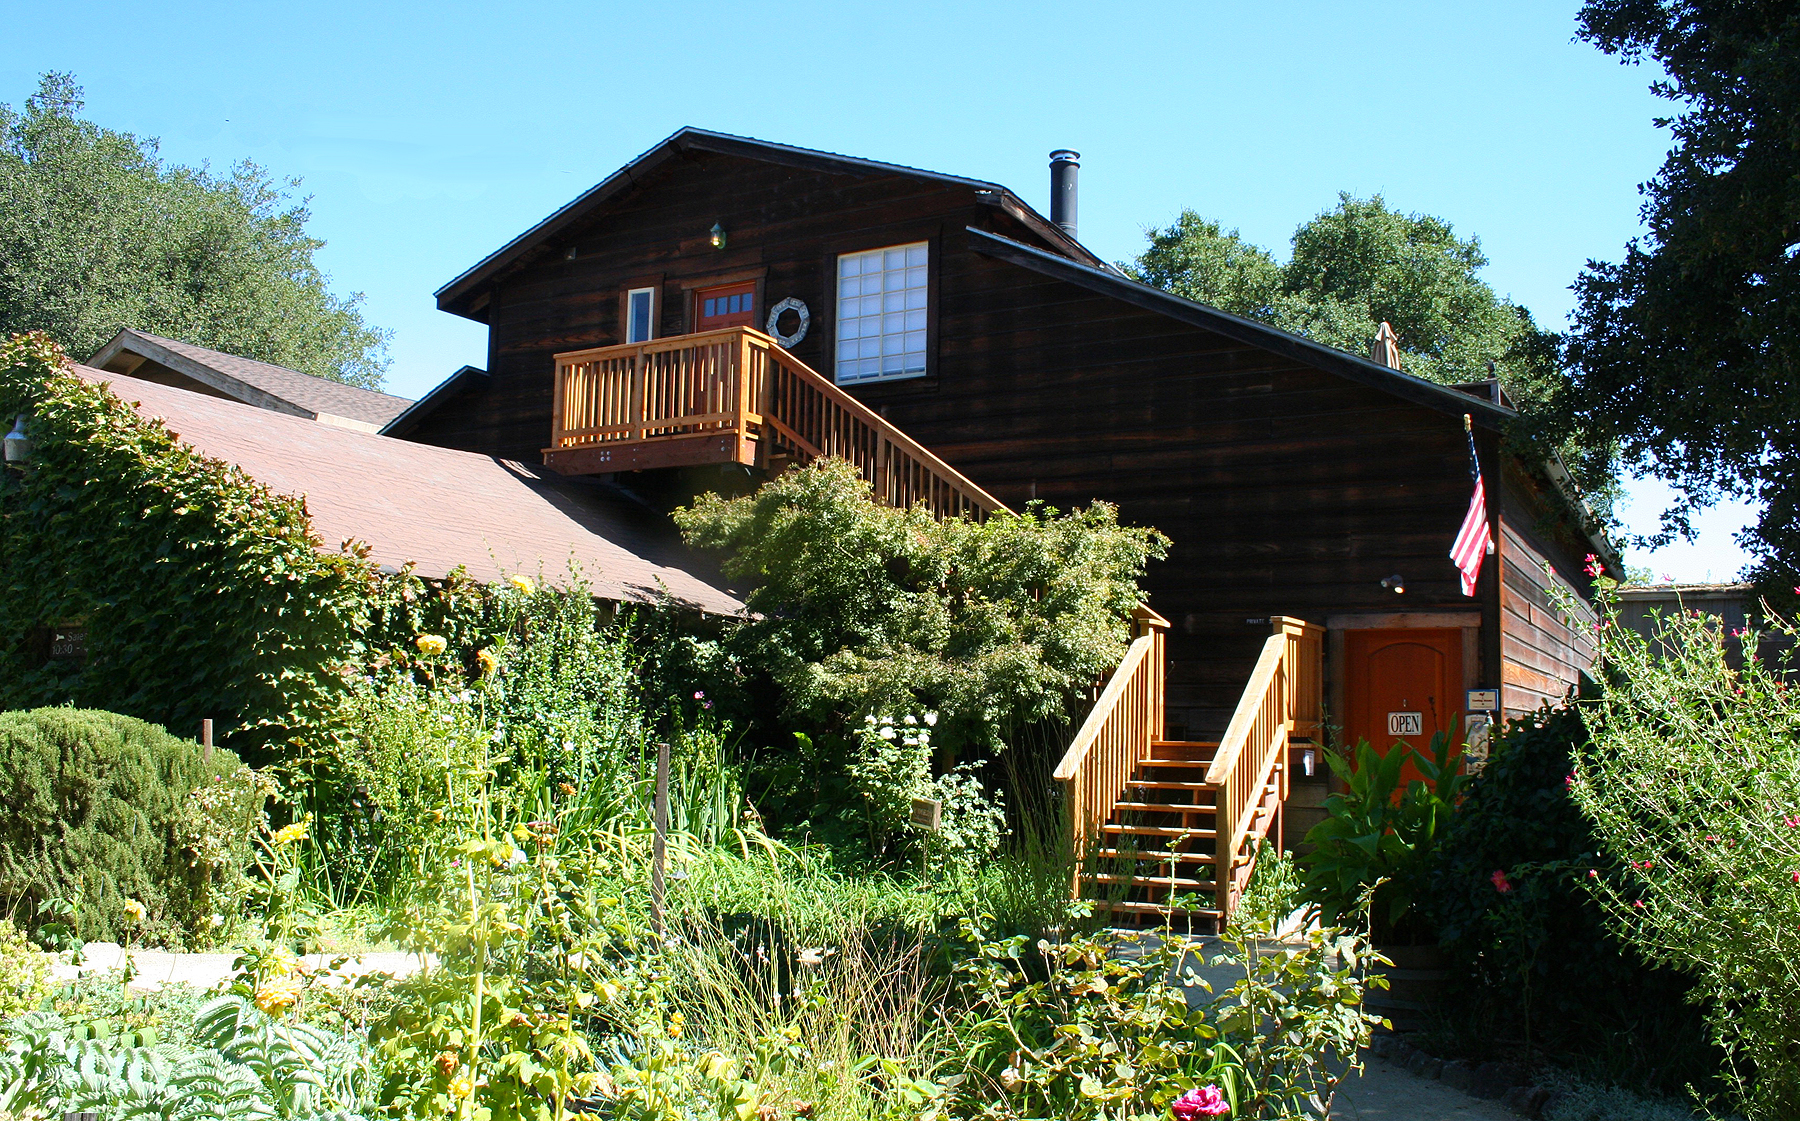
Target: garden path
{"points": [[155, 968], [1385, 1092]]}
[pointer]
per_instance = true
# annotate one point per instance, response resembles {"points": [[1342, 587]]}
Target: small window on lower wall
{"points": [[640, 315], [881, 313]]}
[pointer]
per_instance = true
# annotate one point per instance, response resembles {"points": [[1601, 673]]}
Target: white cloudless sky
{"points": [[429, 135]]}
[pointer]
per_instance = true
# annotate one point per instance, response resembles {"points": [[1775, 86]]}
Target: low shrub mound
{"points": [[104, 810]]}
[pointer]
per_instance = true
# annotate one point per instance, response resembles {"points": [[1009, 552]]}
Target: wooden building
{"points": [[728, 300]]}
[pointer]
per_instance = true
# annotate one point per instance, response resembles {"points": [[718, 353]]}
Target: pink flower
{"points": [[1791, 822], [1501, 883], [1594, 568], [699, 694], [1593, 873], [1199, 1102], [1638, 903], [1569, 780], [1797, 877]]}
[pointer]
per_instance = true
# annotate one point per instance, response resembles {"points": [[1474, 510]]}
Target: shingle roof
{"points": [[454, 296], [437, 507], [320, 398]]}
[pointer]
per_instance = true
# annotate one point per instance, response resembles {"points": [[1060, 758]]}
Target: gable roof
{"points": [[456, 295], [263, 384], [435, 507], [409, 418], [1446, 399]]}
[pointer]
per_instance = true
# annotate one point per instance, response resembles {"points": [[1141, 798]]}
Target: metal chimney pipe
{"points": [[1065, 182]]}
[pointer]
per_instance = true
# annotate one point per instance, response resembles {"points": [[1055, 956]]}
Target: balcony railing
{"points": [[735, 396]]}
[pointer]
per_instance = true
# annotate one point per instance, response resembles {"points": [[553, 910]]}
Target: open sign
{"points": [[1406, 723]]}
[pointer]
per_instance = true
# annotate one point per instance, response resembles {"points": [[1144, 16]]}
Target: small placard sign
{"points": [[1484, 700], [1406, 723], [928, 812], [68, 644]]}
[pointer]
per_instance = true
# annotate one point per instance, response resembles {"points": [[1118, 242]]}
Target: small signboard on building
{"points": [[1406, 723], [68, 644], [1484, 700], [1480, 727]]}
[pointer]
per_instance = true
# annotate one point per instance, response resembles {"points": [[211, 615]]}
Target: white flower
{"points": [[911, 719], [216, 921], [447, 718], [869, 719], [931, 719], [887, 733]]}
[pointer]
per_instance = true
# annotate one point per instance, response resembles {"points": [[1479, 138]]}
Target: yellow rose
{"points": [[431, 645], [134, 910], [487, 661], [277, 994], [521, 583]]}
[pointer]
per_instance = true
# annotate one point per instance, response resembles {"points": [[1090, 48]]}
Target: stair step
{"points": [[1156, 856], [1164, 807], [1159, 830], [1155, 881], [1154, 908], [1186, 743], [1176, 763], [1170, 784]]}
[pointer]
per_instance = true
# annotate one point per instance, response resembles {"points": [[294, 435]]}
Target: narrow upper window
{"points": [[640, 304], [881, 313]]}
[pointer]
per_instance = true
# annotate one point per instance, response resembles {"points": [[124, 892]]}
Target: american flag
{"points": [[1473, 541]]}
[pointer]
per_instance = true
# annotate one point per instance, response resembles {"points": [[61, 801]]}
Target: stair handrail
{"points": [[885, 462], [1281, 698], [1118, 732]]}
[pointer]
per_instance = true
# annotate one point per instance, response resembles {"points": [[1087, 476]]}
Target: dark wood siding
{"points": [[1544, 648]]}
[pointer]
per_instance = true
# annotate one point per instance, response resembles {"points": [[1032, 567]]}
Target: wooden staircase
{"points": [[1170, 828]]}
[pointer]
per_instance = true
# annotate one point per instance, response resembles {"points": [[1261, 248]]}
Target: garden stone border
{"points": [[1505, 1082]]}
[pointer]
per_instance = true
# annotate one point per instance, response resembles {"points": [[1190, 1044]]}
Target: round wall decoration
{"points": [[798, 307]]}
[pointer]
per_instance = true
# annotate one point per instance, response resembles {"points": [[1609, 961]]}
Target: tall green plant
{"points": [[1378, 837], [1693, 787]]}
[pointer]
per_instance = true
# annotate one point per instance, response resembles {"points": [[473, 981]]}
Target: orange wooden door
{"points": [[732, 305], [1402, 686]]}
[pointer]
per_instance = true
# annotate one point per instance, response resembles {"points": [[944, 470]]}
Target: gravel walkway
{"points": [[156, 968], [1385, 1092]]}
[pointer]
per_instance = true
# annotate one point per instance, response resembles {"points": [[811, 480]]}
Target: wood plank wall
{"points": [[1543, 649], [1287, 491]]}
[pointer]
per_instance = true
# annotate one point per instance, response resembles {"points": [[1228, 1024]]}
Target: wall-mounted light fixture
{"points": [[718, 236], [1308, 761], [1395, 583], [18, 443]]}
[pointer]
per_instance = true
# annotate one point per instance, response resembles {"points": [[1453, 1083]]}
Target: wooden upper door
{"points": [[730, 305], [1402, 686]]}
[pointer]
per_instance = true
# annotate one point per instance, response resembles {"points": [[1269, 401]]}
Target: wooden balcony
{"points": [[735, 396]]}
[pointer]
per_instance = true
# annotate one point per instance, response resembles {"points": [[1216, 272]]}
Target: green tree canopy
{"points": [[98, 233], [1687, 350], [1361, 264]]}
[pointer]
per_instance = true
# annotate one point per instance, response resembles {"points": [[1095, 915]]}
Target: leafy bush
{"points": [[242, 1065], [24, 975], [1694, 791], [863, 608], [1102, 1027], [1375, 834], [99, 812], [1534, 954], [203, 593]]}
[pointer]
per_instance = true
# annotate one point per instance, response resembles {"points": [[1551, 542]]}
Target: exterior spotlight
{"points": [[18, 443], [1395, 583], [718, 236]]}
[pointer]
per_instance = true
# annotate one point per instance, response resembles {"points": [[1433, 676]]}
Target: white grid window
{"points": [[881, 313]]}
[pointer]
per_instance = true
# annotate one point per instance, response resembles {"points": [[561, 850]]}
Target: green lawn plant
{"points": [[1693, 786], [112, 827], [1379, 837]]}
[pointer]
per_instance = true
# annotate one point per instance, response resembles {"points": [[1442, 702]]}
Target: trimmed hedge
{"points": [[100, 810]]}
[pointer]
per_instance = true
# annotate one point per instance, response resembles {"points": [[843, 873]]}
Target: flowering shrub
{"points": [[1534, 953], [1694, 789]]}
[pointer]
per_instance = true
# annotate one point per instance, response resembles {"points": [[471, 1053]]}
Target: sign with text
{"points": [[1406, 723], [928, 812], [1484, 700]]}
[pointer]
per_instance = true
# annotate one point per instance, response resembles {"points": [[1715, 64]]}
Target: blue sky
{"points": [[428, 135]]}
